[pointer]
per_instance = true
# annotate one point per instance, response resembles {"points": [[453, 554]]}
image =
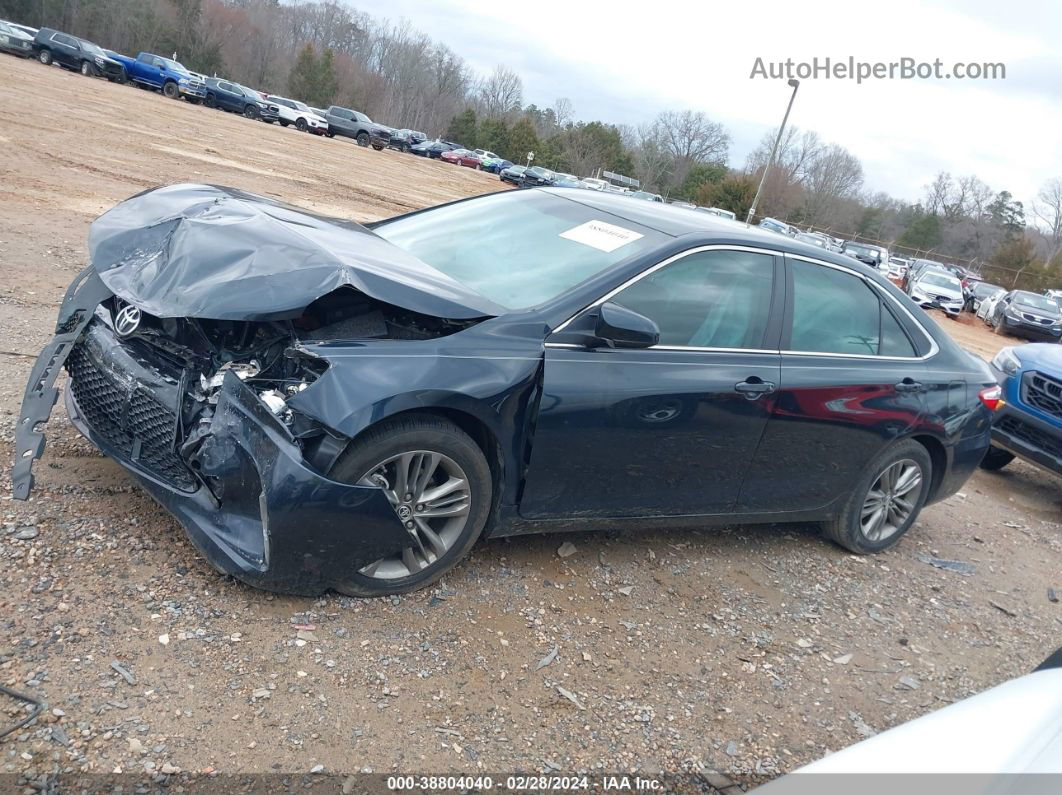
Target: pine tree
{"points": [[326, 83], [462, 129], [303, 79]]}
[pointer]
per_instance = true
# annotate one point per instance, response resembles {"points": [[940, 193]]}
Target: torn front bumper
{"points": [[261, 514], [242, 491]]}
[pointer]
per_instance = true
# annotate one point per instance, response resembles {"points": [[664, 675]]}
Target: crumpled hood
{"points": [[219, 253]]}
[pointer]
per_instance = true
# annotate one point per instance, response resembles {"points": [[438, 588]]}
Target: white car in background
{"points": [[939, 289], [988, 305], [593, 183], [302, 116], [719, 211]]}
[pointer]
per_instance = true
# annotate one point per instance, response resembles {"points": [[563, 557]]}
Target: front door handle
{"points": [[909, 385], [754, 386]]}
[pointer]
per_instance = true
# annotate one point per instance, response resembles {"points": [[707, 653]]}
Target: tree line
{"points": [[327, 52]]}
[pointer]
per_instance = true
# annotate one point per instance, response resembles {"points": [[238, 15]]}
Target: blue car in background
{"points": [[1028, 420]]}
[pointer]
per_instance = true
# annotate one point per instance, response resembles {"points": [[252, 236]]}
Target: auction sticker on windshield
{"points": [[601, 235]]}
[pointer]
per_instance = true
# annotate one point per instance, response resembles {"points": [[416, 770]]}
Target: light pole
{"points": [[774, 150]]}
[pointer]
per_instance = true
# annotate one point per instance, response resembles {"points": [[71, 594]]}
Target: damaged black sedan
{"points": [[328, 405]]}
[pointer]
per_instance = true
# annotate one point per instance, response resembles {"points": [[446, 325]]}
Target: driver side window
{"points": [[711, 299]]}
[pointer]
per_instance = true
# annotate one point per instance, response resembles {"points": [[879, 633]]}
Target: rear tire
{"points": [[413, 434], [996, 458], [876, 498], [45, 57], [209, 101]]}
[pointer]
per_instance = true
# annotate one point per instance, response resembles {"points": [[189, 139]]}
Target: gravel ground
{"points": [[747, 650]]}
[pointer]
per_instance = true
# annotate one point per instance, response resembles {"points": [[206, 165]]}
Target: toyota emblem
{"points": [[404, 512], [127, 320]]}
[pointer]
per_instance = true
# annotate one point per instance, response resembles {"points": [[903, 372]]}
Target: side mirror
{"points": [[624, 328]]}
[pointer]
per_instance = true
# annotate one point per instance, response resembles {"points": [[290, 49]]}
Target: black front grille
{"points": [[1019, 429], [1042, 392], [128, 420], [1046, 321]]}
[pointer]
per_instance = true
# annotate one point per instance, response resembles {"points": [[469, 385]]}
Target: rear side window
{"points": [[837, 312], [712, 299]]}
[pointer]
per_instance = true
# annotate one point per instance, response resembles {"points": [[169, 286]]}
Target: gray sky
{"points": [[624, 62]]}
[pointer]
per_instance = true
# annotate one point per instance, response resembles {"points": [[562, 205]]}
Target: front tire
{"points": [[171, 90], [886, 500], [210, 101], [301, 125], [996, 458], [251, 112], [440, 485], [87, 69], [363, 139]]}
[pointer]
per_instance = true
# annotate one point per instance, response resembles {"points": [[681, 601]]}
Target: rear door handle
{"points": [[753, 386], [909, 385]]}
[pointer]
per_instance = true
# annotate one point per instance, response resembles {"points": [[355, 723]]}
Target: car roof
{"points": [[678, 221]]}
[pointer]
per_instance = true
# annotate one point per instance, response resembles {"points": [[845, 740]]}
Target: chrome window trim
{"points": [[663, 263], [882, 293]]}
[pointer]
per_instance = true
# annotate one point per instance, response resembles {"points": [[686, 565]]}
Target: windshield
{"points": [[866, 251], [561, 243], [982, 289], [88, 46], [173, 66], [941, 280], [1036, 302]]}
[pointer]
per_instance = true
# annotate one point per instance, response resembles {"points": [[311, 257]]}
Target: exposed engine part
{"points": [[274, 400], [243, 371]]}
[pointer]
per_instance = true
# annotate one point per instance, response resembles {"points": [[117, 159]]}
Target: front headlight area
{"points": [[1007, 361]]}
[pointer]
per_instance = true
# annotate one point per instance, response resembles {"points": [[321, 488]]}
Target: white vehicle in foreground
{"points": [[302, 116], [1014, 728]]}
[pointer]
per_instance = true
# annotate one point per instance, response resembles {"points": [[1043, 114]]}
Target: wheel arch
{"points": [[938, 457], [485, 437]]}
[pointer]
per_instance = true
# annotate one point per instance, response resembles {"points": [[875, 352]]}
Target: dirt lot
{"points": [[750, 650]]}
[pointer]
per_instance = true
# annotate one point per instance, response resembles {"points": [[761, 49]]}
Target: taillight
{"points": [[992, 397]]}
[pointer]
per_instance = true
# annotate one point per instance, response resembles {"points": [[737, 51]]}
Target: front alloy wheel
{"points": [[430, 494], [439, 484], [886, 501]]}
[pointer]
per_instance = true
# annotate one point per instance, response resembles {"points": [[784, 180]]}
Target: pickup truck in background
{"points": [[349, 123], [163, 74]]}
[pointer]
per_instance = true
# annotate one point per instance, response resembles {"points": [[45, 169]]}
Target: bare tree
{"points": [[563, 111], [1047, 207], [501, 93], [690, 137], [835, 175]]}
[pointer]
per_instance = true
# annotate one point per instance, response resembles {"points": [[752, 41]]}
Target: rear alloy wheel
{"points": [[886, 502], [439, 484], [45, 57], [996, 458]]}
